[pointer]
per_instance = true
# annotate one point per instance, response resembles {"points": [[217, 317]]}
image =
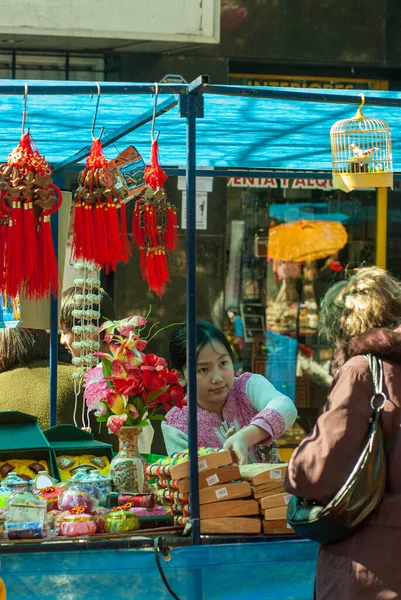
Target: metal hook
{"points": [[24, 114], [359, 113], [96, 111], [156, 94]]}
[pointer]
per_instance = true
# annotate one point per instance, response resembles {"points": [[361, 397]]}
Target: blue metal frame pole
{"points": [[191, 315], [60, 182]]}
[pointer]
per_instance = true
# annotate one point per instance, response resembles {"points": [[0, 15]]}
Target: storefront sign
{"points": [[283, 183], [329, 83]]}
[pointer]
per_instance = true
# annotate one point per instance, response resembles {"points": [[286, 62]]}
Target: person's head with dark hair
{"points": [[105, 307], [20, 346], [214, 363]]}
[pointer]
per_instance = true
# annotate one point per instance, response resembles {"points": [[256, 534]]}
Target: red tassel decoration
{"points": [[154, 174], [99, 230], [27, 196], [124, 233], [31, 255], [101, 250], [154, 227], [49, 262], [171, 235]]}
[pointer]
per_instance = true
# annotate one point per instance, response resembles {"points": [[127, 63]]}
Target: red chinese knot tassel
{"points": [[154, 227], [27, 257], [100, 227]]}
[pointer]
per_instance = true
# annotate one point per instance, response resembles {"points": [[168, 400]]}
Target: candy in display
{"points": [[77, 523]]}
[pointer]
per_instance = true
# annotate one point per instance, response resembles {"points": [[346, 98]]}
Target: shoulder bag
{"points": [[360, 494]]}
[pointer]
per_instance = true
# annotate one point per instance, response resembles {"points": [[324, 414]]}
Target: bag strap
{"points": [[379, 398]]}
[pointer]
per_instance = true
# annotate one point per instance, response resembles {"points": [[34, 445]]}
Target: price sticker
{"points": [[202, 465], [212, 479], [275, 474], [221, 493]]}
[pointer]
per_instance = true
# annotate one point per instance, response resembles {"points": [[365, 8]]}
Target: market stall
{"points": [[228, 131]]}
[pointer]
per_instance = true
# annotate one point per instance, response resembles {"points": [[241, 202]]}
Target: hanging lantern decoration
{"points": [[28, 197], [100, 229], [361, 152], [154, 226], [85, 327]]}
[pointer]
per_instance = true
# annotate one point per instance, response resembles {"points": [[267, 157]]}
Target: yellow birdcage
{"points": [[361, 152]]}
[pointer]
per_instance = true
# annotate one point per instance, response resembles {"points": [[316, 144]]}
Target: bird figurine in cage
{"points": [[361, 152]]}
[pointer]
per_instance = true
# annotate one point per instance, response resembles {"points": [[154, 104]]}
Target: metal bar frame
{"points": [[117, 134], [191, 317], [54, 221], [69, 88]]}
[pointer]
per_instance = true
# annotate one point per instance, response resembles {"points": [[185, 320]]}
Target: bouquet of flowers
{"points": [[129, 387]]}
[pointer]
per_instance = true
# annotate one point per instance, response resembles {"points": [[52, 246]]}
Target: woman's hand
{"points": [[240, 442]]}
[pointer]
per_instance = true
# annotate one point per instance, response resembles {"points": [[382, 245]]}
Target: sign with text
{"points": [[329, 83], [282, 183]]}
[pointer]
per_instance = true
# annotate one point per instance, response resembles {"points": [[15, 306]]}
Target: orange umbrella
{"points": [[306, 240]]}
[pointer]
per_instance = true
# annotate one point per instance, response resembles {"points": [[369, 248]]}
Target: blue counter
{"points": [[274, 570]]}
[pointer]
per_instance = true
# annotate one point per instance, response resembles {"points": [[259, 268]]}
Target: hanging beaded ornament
{"points": [[154, 226], [100, 230], [86, 316], [28, 197]]}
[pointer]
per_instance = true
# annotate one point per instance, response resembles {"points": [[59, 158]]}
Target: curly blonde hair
{"points": [[369, 298]]}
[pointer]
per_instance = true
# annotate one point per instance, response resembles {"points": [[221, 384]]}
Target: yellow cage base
{"points": [[355, 181]]}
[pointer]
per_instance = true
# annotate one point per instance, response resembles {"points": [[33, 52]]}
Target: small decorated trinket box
{"points": [[77, 523], [121, 520]]}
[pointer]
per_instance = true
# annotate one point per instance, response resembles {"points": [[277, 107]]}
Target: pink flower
{"points": [[96, 388], [97, 392], [132, 411], [93, 375], [115, 423], [100, 410], [130, 324], [141, 345]]}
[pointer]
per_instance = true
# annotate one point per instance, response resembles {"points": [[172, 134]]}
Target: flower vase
{"points": [[127, 468]]}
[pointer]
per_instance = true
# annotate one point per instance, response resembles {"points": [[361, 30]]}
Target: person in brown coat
{"points": [[360, 315]]}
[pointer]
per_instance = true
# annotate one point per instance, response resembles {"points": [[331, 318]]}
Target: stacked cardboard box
{"points": [[267, 483], [226, 502]]}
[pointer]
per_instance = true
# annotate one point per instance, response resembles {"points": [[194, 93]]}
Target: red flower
{"points": [[127, 380], [152, 362]]}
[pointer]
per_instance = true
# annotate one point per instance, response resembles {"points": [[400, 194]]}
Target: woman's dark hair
{"points": [[205, 333], [19, 347], [106, 307]]}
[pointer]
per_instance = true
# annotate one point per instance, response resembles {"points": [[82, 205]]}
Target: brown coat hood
{"points": [[383, 343]]}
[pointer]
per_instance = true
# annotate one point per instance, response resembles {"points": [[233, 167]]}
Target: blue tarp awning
{"points": [[240, 131]]}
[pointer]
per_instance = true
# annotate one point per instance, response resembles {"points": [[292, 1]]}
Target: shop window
{"points": [[288, 293], [58, 66]]}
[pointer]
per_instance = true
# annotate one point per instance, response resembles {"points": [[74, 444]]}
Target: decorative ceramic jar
{"points": [[127, 468]]}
